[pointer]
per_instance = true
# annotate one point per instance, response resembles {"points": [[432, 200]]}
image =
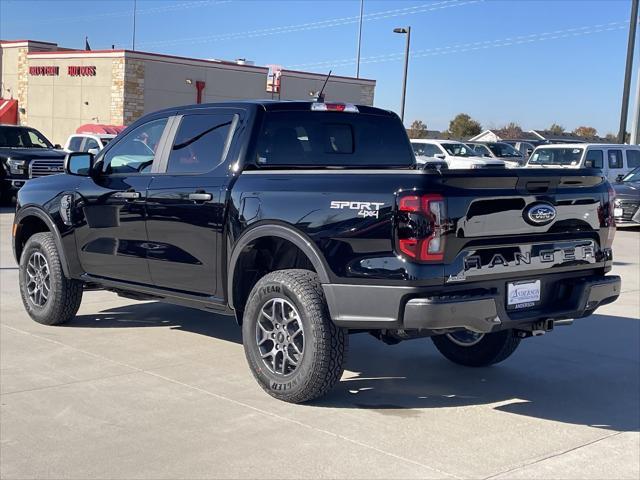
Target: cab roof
{"points": [[274, 106]]}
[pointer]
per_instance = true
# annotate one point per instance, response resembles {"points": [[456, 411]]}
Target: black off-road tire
{"points": [[65, 295], [325, 344], [492, 348]]}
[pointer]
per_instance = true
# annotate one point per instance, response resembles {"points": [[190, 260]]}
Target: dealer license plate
{"points": [[523, 294]]}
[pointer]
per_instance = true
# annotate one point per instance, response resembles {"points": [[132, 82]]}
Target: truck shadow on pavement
{"points": [[587, 374]]}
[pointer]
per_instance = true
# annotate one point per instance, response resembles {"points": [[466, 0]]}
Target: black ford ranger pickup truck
{"points": [[310, 221]]}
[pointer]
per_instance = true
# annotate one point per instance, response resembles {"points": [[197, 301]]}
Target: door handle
{"points": [[200, 197], [128, 195]]}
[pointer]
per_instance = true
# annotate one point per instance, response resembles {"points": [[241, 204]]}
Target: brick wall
{"points": [[23, 84], [117, 92], [133, 90]]}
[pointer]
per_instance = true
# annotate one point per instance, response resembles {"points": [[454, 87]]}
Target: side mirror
{"points": [[619, 178], [588, 164], [441, 156], [487, 155], [93, 151], [529, 151], [57, 146], [78, 163]]}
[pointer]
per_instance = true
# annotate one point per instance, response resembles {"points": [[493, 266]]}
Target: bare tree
{"points": [[418, 129], [587, 132]]}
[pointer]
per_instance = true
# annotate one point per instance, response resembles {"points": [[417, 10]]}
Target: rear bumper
{"points": [[479, 309]]}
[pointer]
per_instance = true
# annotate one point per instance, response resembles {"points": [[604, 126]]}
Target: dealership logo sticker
{"points": [[540, 214], [365, 209]]}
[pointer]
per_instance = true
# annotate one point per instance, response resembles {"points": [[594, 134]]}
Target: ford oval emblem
{"points": [[540, 213]]}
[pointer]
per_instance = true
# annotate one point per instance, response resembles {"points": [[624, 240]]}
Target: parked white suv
{"points": [[615, 160], [88, 142], [456, 154]]}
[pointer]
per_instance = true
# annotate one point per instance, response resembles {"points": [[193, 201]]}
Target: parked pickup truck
{"points": [[24, 154], [310, 221]]}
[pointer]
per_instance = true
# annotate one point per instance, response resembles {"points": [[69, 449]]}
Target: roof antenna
{"points": [[321, 92]]}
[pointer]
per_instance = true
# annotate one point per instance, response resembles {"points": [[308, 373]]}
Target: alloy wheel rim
{"points": [[280, 336], [38, 279], [465, 338]]}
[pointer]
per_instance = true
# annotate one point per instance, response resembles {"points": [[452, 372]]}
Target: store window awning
{"points": [[8, 111], [100, 128]]}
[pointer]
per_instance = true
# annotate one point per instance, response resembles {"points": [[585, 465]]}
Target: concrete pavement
{"points": [[147, 390]]}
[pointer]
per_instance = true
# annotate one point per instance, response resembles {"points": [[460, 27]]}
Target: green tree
{"points": [[556, 129], [463, 126], [418, 129], [587, 132], [511, 130]]}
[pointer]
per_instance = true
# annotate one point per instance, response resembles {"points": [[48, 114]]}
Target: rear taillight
{"points": [[421, 227]]}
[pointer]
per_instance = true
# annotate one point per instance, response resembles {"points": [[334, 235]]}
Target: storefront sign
{"points": [[44, 71], [89, 71], [72, 71]]}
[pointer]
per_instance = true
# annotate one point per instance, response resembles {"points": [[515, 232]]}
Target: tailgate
{"points": [[523, 222]]}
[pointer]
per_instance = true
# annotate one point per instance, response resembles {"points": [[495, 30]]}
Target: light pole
{"points": [[406, 30], [624, 111], [359, 39]]}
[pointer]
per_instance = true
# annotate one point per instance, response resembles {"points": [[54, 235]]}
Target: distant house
{"points": [[437, 135], [546, 136]]}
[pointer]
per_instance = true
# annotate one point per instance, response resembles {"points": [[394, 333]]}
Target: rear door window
{"points": [[633, 158], [200, 143], [615, 159], [302, 139]]}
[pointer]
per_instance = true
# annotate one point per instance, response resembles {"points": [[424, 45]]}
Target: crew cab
{"points": [[25, 153], [311, 221], [614, 160], [456, 154]]}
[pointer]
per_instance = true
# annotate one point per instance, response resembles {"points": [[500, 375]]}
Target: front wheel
{"points": [[477, 349], [294, 350], [49, 297]]}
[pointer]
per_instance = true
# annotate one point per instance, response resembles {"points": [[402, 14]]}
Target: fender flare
{"points": [[42, 215], [275, 230]]}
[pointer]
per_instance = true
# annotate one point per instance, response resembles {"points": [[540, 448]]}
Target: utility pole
{"points": [[133, 43], [635, 125], [624, 111], [359, 39]]}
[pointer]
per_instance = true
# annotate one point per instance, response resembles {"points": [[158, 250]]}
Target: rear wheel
{"points": [[294, 350], [48, 296], [477, 349]]}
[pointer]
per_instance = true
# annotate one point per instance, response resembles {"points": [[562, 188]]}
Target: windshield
{"points": [[632, 176], [459, 149], [504, 150], [19, 137], [556, 156]]}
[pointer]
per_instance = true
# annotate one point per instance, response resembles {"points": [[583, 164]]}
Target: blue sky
{"points": [[534, 62]]}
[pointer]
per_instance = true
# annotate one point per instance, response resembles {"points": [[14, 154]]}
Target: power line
{"points": [[123, 13], [333, 22], [466, 47]]}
